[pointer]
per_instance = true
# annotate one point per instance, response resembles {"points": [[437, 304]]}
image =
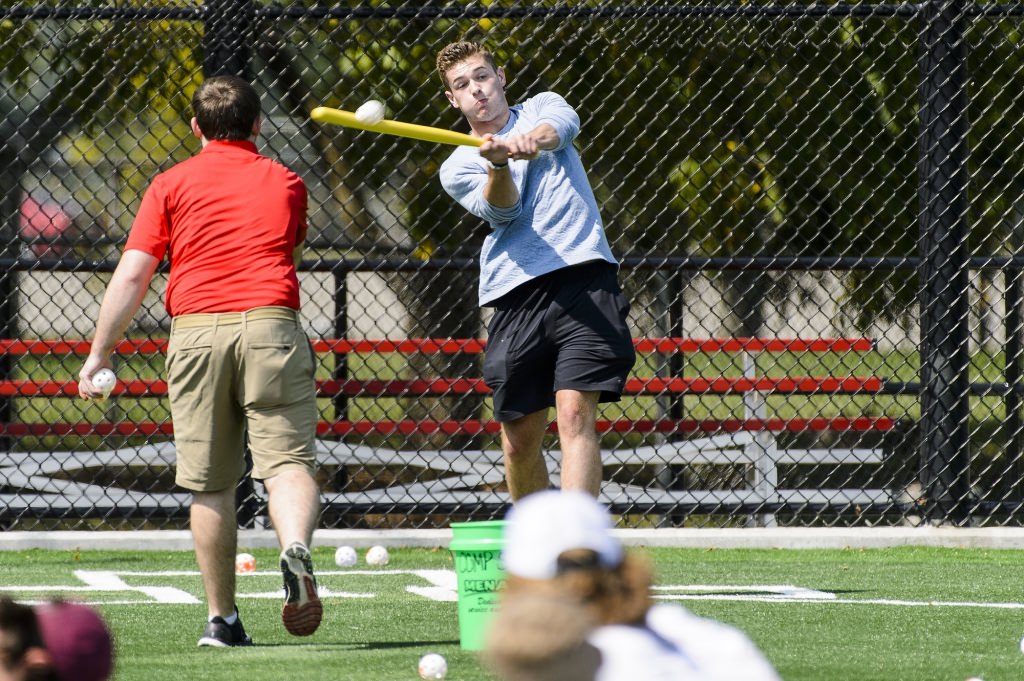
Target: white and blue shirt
{"points": [[555, 224]]}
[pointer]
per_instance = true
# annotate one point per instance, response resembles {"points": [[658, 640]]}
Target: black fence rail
{"points": [[817, 208]]}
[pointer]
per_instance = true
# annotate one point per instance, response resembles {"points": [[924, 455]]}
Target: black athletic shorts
{"points": [[565, 330]]}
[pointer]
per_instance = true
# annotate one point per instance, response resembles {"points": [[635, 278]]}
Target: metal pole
{"points": [[1014, 351], [227, 51], [340, 372], [227, 38], [944, 274], [676, 311], [8, 289]]}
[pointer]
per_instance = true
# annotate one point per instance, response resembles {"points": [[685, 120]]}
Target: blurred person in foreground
{"points": [[240, 369], [53, 641], [558, 337], [559, 545]]}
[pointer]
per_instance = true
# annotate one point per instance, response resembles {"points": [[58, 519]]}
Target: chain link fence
{"points": [[817, 207]]}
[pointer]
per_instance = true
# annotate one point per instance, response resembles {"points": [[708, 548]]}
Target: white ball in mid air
{"points": [[433, 666], [377, 555], [371, 112], [105, 380], [345, 556]]}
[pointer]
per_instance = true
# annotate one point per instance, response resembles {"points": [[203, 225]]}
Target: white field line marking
{"points": [[794, 594], [442, 586], [434, 593], [445, 586], [843, 601], [107, 581], [321, 593], [47, 588], [784, 591], [270, 573]]}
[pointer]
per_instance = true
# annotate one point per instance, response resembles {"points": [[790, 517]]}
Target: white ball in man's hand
{"points": [[105, 380], [371, 112]]}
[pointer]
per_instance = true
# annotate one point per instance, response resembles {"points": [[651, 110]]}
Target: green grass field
{"points": [[855, 615]]}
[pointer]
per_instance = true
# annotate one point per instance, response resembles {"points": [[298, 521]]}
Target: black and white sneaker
{"points": [[220, 634], [302, 609]]}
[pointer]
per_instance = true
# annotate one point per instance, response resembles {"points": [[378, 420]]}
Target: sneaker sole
{"points": [[206, 642], [302, 611]]}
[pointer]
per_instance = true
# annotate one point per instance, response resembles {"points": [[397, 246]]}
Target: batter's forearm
{"points": [[500, 190], [545, 136]]}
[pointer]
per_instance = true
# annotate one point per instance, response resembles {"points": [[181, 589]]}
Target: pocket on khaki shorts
{"points": [[278, 366], [185, 348]]}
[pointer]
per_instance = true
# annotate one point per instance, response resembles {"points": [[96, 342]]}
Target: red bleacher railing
{"points": [[418, 387], [464, 345]]}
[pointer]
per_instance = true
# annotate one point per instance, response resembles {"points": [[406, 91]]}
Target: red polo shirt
{"points": [[229, 220]]}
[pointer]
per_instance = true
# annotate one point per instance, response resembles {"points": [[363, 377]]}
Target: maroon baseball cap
{"points": [[77, 639]]}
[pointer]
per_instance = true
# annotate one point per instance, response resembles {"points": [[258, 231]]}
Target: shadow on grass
{"points": [[368, 645], [765, 592]]}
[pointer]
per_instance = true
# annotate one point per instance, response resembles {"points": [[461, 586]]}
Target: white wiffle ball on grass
{"points": [[433, 666], [377, 555], [345, 556]]}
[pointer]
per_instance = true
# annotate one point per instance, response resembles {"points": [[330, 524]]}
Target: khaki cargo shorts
{"points": [[234, 373]]}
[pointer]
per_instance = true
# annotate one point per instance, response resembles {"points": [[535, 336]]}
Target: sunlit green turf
{"points": [[881, 615]]}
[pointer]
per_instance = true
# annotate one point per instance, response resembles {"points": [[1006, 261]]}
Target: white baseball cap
{"points": [[542, 526]]}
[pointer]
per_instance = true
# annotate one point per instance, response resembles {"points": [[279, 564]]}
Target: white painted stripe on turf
{"points": [[51, 588], [839, 601], [168, 594], [102, 579], [271, 573], [445, 585], [442, 585], [444, 589], [106, 580], [94, 602], [434, 593], [321, 593], [783, 590], [440, 578], [166, 573]]}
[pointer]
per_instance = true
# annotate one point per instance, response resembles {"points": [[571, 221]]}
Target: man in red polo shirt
{"points": [[232, 224]]}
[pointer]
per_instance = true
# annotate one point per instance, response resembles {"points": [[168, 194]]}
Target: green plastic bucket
{"points": [[476, 548]]}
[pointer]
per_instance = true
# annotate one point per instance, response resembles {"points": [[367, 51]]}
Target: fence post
{"points": [[676, 326], [945, 359], [340, 370], [227, 51], [227, 38], [9, 247], [1013, 353]]}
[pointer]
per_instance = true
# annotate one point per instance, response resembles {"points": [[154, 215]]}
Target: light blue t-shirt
{"points": [[556, 222]]}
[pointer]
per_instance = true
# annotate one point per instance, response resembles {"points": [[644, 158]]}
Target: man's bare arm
{"points": [[124, 296]]}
